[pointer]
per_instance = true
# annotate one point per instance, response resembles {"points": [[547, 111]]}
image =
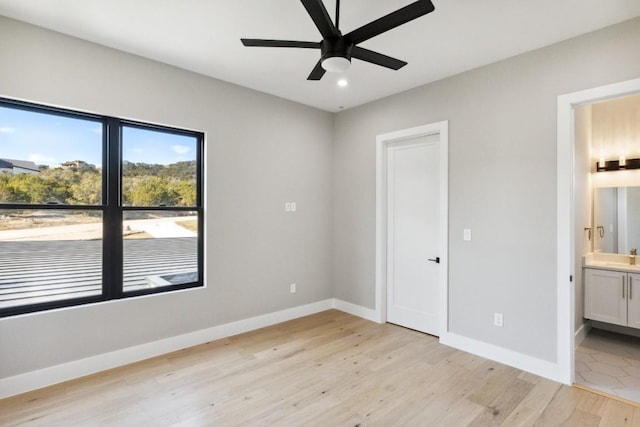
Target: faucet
{"points": [[632, 256]]}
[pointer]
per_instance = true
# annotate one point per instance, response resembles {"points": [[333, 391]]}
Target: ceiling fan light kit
{"points": [[335, 64], [336, 50]]}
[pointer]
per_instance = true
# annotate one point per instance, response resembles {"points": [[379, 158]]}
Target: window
{"points": [[95, 208]]}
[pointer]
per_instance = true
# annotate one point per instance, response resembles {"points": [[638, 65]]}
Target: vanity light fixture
{"points": [[601, 162], [615, 165]]}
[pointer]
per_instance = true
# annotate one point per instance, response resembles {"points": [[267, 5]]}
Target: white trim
{"points": [[565, 216], [441, 129], [512, 358], [582, 332], [381, 236], [356, 310], [28, 381]]}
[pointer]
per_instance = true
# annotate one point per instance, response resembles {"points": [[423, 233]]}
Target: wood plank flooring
{"points": [[328, 369]]}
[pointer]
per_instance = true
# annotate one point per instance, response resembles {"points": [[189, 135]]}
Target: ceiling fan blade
{"points": [[317, 72], [377, 58], [390, 21], [317, 11], [279, 43]]}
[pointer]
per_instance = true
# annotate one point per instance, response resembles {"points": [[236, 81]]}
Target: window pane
{"points": [[49, 255], [158, 168], [160, 249], [47, 158]]}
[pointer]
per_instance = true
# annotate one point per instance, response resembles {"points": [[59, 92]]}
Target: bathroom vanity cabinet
{"points": [[612, 296]]}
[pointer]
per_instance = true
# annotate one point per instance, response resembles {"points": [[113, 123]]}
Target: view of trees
{"points": [[155, 185], [143, 185]]}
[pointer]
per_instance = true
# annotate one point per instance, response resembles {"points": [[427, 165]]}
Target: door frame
{"points": [[566, 216], [382, 146]]}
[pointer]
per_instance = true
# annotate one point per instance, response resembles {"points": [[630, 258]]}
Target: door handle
{"points": [[436, 260], [630, 287]]}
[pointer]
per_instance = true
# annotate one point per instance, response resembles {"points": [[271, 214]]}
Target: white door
{"points": [[413, 233]]}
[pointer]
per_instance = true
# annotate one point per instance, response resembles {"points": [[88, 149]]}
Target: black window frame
{"points": [[113, 208]]}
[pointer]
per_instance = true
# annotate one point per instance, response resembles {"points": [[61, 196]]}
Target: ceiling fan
{"points": [[336, 50]]}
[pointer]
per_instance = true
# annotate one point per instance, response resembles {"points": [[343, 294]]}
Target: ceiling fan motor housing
{"points": [[335, 48]]}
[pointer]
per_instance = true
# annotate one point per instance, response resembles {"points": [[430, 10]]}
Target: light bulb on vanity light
{"points": [[622, 162], [601, 163]]}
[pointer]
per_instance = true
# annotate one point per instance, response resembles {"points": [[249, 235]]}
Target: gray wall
{"points": [[260, 152], [502, 177]]}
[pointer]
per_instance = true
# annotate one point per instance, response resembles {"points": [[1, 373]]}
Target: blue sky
{"points": [[140, 145], [50, 140]]}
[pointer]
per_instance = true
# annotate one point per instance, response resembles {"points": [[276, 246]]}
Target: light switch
{"points": [[293, 206], [467, 234], [287, 207]]}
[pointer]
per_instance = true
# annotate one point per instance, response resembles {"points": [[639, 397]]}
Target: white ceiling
{"points": [[204, 36]]}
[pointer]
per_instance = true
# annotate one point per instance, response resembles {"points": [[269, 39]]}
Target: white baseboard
{"points": [[356, 310], [78, 368], [502, 355], [582, 332], [517, 360]]}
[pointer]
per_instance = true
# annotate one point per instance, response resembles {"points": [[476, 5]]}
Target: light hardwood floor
{"points": [[329, 369]]}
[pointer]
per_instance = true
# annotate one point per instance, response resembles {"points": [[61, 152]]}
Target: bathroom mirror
{"points": [[616, 219]]}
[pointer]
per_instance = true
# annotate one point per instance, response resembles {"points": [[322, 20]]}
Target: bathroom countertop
{"points": [[614, 262]]}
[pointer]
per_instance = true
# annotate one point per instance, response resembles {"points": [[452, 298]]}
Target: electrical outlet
{"points": [[498, 320], [292, 288]]}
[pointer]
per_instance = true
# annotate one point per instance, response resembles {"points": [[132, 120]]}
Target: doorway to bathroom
{"points": [[598, 214]]}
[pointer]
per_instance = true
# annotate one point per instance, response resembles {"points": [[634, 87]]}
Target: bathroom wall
{"points": [[616, 128], [615, 132], [582, 195]]}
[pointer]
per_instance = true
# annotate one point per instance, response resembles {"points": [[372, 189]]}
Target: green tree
{"points": [[6, 190], [186, 190], [29, 188], [87, 190], [153, 191], [143, 185]]}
